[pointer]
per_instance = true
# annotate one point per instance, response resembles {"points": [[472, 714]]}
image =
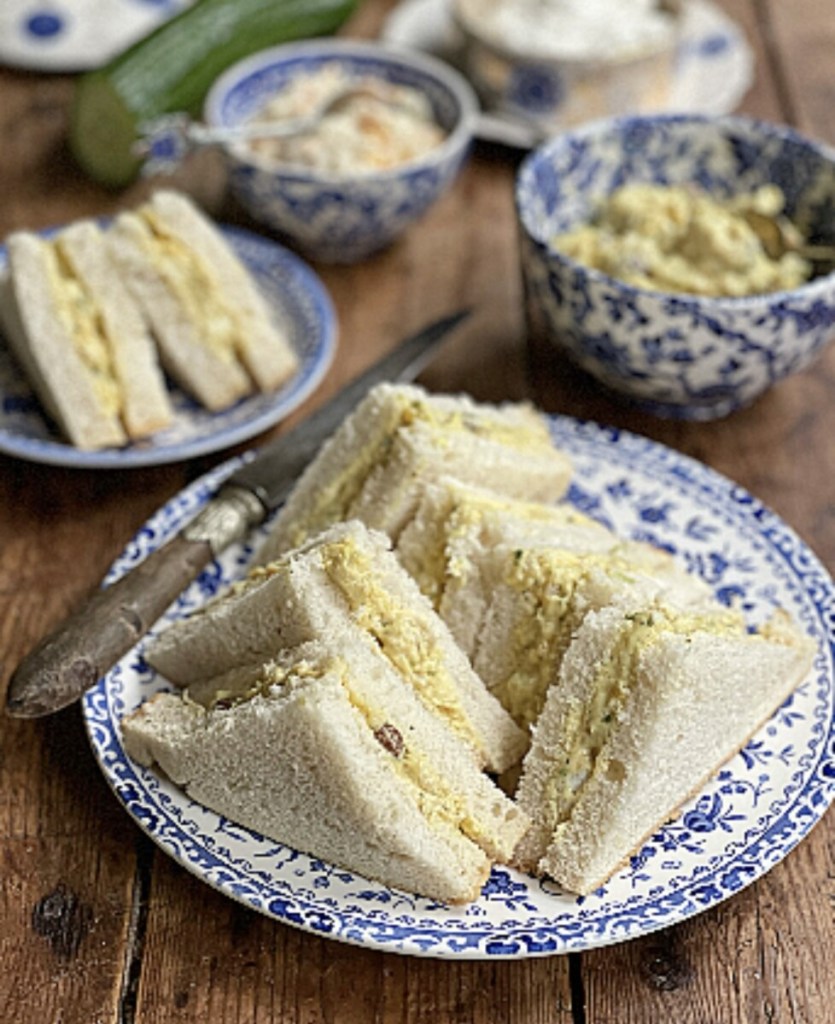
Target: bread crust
{"points": [[694, 701]]}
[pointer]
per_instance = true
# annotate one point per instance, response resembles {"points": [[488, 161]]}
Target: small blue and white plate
{"points": [[76, 35], [747, 819], [300, 303]]}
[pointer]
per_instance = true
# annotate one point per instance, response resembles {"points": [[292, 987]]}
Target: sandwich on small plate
{"points": [[649, 703], [81, 339], [346, 580], [218, 338], [399, 438], [327, 748]]}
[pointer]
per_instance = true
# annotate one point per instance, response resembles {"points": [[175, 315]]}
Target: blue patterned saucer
{"points": [[300, 303], [747, 819]]}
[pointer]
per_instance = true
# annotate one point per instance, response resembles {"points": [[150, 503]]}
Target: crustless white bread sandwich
{"points": [[216, 333], [376, 465], [511, 580], [649, 704], [327, 749], [81, 339], [344, 581], [448, 543]]}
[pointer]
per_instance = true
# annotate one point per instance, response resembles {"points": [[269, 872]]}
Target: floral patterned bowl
{"points": [[679, 355], [342, 218]]}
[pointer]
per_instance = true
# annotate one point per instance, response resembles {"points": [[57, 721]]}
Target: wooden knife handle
{"points": [[87, 644]]}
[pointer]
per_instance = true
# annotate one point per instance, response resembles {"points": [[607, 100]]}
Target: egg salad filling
{"points": [[677, 238], [195, 284], [438, 800], [404, 636], [444, 558], [588, 725], [81, 317], [333, 501], [547, 582]]}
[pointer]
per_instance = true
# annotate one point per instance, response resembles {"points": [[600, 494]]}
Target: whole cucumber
{"points": [[172, 69]]}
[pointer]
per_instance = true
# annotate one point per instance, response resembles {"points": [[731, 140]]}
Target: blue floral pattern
{"points": [[682, 356], [343, 219], [750, 816], [299, 302]]}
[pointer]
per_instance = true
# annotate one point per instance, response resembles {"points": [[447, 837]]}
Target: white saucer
{"points": [[714, 69]]}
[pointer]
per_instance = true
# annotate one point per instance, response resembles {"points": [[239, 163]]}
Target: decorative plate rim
{"points": [[574, 924], [311, 316]]}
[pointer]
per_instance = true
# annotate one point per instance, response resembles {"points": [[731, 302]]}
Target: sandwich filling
{"points": [[547, 582], [474, 518], [588, 725], [195, 284], [402, 634], [443, 806], [82, 319], [444, 428]]}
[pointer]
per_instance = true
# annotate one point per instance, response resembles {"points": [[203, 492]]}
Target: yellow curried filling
{"points": [[195, 284], [467, 513], [333, 500], [589, 725], [547, 581], [438, 800], [403, 635], [82, 319]]}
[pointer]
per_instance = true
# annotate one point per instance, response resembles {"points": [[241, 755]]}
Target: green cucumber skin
{"points": [[173, 68]]}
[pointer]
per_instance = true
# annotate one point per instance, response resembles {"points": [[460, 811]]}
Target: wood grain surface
{"points": [[96, 926]]}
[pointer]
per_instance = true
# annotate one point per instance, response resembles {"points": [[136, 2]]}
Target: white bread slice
{"points": [[146, 406], [80, 339], [649, 705], [217, 335], [346, 580], [334, 755], [458, 543], [540, 595], [399, 438]]}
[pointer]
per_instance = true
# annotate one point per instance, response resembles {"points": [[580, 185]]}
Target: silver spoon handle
{"points": [[166, 141]]}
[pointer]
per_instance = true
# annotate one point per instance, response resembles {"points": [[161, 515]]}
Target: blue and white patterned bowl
{"points": [[682, 356], [336, 218]]}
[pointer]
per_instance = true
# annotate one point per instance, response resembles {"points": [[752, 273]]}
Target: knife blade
{"points": [[71, 659]]}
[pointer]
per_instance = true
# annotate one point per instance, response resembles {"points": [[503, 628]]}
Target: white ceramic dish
{"points": [[300, 302], [759, 806], [76, 35], [714, 67]]}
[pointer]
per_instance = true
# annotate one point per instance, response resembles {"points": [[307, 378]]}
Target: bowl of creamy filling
{"points": [[558, 63], [647, 260], [367, 137]]}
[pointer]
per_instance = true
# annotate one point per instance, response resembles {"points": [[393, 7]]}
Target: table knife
{"points": [[85, 646]]}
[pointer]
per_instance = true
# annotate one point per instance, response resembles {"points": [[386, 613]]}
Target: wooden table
{"points": [[96, 925]]}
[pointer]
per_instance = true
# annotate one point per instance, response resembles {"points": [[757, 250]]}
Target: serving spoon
{"points": [[779, 237]]}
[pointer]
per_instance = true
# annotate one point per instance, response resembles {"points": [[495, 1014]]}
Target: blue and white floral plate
{"points": [[300, 303], [759, 806], [76, 35], [714, 67]]}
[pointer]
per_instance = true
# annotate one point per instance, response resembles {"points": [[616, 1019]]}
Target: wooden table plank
{"points": [[208, 959]]}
